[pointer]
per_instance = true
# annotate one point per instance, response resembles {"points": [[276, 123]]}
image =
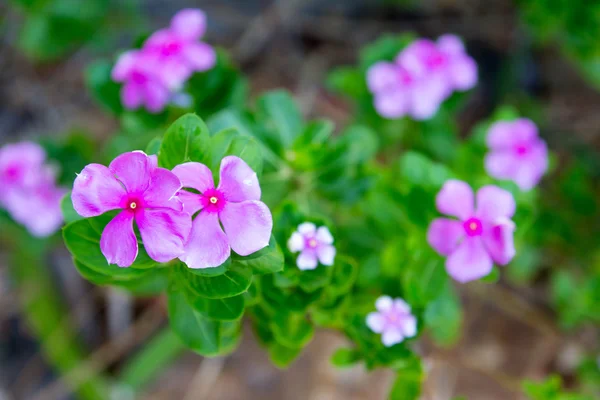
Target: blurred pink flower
{"points": [[516, 153], [314, 245], [144, 193], [422, 76], [29, 192], [481, 235], [235, 203], [393, 320]]}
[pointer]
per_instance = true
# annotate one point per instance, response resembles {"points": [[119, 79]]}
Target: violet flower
{"points": [[143, 192], [393, 320], [516, 153], [480, 236], [314, 245], [235, 203]]}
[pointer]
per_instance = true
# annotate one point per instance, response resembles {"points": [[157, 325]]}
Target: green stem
{"points": [[154, 356]]}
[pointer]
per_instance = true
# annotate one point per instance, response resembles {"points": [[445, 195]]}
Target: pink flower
{"points": [[480, 236], [516, 153], [178, 48], [393, 320], [234, 203], [142, 85], [29, 192], [145, 193], [423, 75], [314, 245]]}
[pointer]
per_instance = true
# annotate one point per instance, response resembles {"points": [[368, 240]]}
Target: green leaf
{"points": [[409, 379], [233, 282], [348, 81], [344, 273], [282, 356], [154, 146], [68, 212], [104, 89], [292, 329], [278, 112], [227, 309], [419, 170], [229, 142], [204, 336], [264, 261], [443, 317], [343, 358], [187, 139]]}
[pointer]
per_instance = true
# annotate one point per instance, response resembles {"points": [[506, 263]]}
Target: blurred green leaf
{"points": [[187, 139]]}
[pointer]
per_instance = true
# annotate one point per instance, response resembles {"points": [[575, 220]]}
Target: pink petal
{"points": [[132, 95], [173, 73], [391, 104], [156, 96], [382, 77], [391, 336], [427, 96], [401, 306], [455, 199], [499, 242], [237, 180], [384, 304], [194, 175], [324, 236], [296, 242], [189, 23], [192, 202], [118, 242], [133, 170], [124, 65], [248, 226], [307, 260], [200, 56], [508, 134], [207, 246], [444, 235], [533, 167], [96, 191], [409, 326], [375, 322], [164, 185], [501, 164], [164, 232], [494, 203], [470, 261], [463, 72], [153, 159], [326, 254], [307, 228], [451, 44]]}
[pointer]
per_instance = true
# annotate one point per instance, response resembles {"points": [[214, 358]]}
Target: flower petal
{"points": [[156, 96], [444, 235], [401, 306], [118, 242], [237, 180], [207, 246], [533, 167], [499, 242], [507, 134], [96, 191], [200, 56], [124, 65], [164, 232], [164, 185], [382, 76], [307, 260], [463, 72], [427, 96], [494, 203], [248, 226], [470, 261], [189, 23], [195, 175], [326, 254], [376, 322], [296, 242], [455, 199], [409, 326], [451, 44], [132, 95], [391, 104], [391, 336], [307, 228], [192, 202], [384, 304], [133, 170], [501, 164], [324, 236]]}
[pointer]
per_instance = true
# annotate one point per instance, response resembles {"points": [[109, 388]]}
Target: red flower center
{"points": [[213, 201], [138, 77], [12, 173], [521, 149], [473, 227], [170, 49]]}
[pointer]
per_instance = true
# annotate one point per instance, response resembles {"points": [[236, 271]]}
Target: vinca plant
{"points": [[240, 209]]}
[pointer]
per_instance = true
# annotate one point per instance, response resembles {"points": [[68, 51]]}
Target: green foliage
{"points": [[551, 389]]}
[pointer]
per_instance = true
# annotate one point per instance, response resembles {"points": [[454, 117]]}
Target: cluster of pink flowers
{"points": [[29, 191], [421, 77], [393, 320], [154, 198], [315, 245], [153, 75]]}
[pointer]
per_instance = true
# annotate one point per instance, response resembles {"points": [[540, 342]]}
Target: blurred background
{"points": [[542, 55]]}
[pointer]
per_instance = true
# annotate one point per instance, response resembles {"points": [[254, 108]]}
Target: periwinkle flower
{"points": [[393, 320], [134, 184], [314, 244], [480, 236], [29, 192], [516, 153], [235, 203]]}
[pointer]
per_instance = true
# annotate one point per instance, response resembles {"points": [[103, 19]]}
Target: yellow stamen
{"points": [[214, 200]]}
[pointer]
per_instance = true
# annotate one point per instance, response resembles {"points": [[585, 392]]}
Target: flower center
{"points": [[133, 205], [170, 48], [473, 227], [521, 149], [12, 173], [138, 77], [312, 243], [213, 201]]}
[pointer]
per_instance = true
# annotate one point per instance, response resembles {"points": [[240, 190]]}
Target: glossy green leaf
{"points": [[227, 309], [103, 88], [292, 329], [68, 212], [187, 139], [264, 261], [343, 358], [409, 379], [279, 114], [233, 282]]}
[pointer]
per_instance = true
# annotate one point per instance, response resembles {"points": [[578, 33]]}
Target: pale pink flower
{"points": [[235, 203], [393, 320], [143, 192], [315, 246], [516, 153], [480, 236]]}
